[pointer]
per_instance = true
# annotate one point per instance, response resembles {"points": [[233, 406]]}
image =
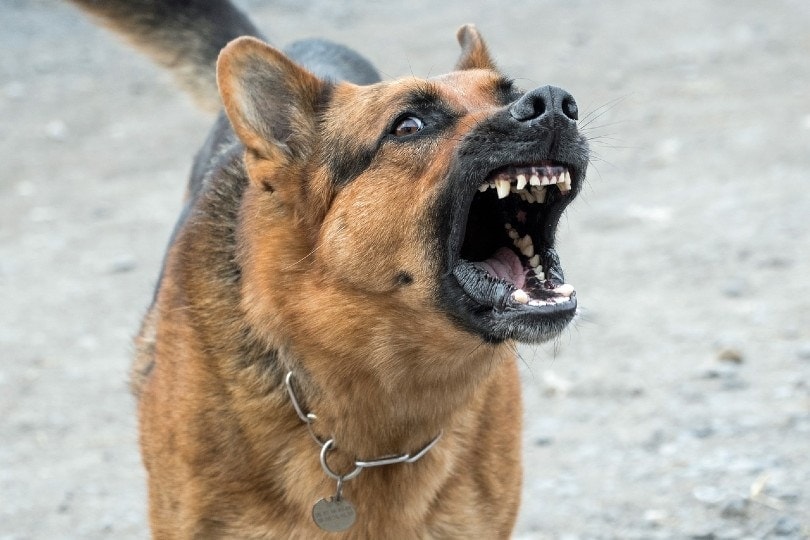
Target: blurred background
{"points": [[678, 405]]}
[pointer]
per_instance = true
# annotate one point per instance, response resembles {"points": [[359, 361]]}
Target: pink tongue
{"points": [[506, 265]]}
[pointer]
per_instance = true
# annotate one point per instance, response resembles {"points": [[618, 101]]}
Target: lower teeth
{"points": [[520, 296]]}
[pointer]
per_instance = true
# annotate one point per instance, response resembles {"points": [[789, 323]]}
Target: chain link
{"points": [[326, 446]]}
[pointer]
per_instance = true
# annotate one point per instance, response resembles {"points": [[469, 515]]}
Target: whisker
{"points": [[302, 259], [598, 112]]}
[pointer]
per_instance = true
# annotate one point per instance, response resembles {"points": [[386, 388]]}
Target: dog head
{"points": [[423, 208]]}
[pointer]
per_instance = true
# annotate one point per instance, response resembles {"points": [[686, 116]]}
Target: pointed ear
{"points": [[270, 101], [474, 53]]}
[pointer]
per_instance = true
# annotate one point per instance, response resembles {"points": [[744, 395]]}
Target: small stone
{"points": [[723, 371], [789, 495], [123, 265], [555, 384], [655, 516], [787, 526], [654, 441], [730, 354], [703, 432], [543, 440], [729, 534], [734, 384], [736, 507], [777, 262], [707, 494], [734, 288]]}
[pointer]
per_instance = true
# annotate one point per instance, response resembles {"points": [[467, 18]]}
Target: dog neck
{"points": [[368, 417], [309, 419]]}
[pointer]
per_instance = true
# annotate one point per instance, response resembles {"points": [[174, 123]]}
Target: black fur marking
{"points": [[404, 278], [347, 163], [506, 92]]}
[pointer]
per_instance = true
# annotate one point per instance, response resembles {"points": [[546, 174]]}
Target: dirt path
{"points": [[677, 407]]}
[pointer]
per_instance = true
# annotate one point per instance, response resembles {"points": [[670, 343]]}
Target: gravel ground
{"points": [[678, 406]]}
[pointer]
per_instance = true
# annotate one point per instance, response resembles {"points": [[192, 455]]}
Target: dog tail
{"points": [[184, 36]]}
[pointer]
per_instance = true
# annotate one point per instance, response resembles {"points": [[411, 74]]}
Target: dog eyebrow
{"points": [[424, 96], [505, 90]]}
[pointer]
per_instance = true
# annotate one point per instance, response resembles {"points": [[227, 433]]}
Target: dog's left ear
{"points": [[474, 53], [271, 102]]}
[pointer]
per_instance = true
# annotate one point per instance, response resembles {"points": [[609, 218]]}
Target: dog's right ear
{"points": [[474, 52], [271, 102]]}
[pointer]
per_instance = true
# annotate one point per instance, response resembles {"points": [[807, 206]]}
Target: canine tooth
{"points": [[521, 181], [503, 187], [565, 290], [520, 296], [566, 181], [534, 180], [528, 250], [534, 262]]}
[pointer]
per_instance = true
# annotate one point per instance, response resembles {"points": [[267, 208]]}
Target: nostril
{"points": [[532, 105], [538, 106], [569, 107]]}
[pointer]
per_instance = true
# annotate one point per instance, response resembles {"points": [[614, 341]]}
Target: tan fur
{"points": [[318, 293]]}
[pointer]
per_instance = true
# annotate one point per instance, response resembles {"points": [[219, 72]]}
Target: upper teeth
{"points": [[502, 185], [539, 178]]}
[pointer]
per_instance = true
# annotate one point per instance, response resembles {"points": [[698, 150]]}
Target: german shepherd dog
{"points": [[331, 345]]}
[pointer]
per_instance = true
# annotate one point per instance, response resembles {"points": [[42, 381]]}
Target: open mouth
{"points": [[507, 262]]}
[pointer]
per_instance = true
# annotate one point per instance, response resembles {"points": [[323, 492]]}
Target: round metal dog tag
{"points": [[333, 515]]}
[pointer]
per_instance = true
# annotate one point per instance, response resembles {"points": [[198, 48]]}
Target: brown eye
{"points": [[407, 126]]}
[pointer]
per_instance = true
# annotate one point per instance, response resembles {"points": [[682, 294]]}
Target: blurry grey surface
{"points": [[678, 405]]}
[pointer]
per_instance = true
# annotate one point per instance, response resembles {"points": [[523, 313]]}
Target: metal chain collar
{"points": [[326, 446]]}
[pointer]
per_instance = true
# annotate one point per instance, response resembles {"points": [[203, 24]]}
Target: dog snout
{"points": [[544, 103]]}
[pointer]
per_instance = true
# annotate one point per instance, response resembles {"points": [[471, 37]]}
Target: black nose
{"points": [[546, 100]]}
